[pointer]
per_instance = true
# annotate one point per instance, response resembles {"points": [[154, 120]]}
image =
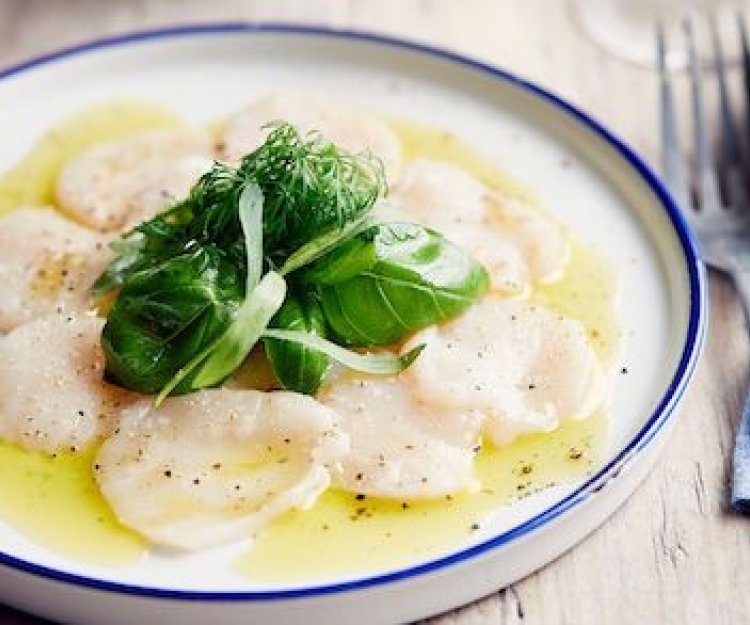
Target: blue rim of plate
{"points": [[697, 321]]}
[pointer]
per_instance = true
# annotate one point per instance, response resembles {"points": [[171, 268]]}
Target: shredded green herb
{"points": [[310, 185]]}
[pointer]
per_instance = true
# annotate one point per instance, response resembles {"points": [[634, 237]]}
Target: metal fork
{"points": [[721, 221]]}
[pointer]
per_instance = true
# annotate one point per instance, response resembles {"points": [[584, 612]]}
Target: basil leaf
{"points": [[149, 244], [164, 315], [296, 366], [393, 280]]}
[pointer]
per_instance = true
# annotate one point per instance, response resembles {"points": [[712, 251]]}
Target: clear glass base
{"points": [[626, 28]]}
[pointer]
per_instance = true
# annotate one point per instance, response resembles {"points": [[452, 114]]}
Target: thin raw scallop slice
{"points": [[521, 367], [518, 245], [400, 447], [116, 185], [52, 393], [354, 131], [216, 466], [47, 265]]}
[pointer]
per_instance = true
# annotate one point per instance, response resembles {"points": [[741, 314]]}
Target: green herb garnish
{"points": [[311, 187], [204, 281]]}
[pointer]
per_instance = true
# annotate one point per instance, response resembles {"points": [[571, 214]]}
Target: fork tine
{"points": [[730, 160], [673, 163], [707, 185], [745, 42]]}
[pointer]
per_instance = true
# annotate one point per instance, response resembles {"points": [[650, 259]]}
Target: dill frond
{"points": [[310, 186]]}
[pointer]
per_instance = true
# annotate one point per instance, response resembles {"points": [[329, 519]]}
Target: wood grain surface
{"points": [[673, 553]]}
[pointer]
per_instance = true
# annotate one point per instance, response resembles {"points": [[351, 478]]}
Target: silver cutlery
{"points": [[713, 192]]}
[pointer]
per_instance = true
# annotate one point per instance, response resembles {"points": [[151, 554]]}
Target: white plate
{"points": [[607, 196]]}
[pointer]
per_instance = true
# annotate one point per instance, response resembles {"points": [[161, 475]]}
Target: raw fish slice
{"points": [[521, 367], [517, 244], [52, 393], [215, 466], [353, 131], [115, 186], [47, 264], [400, 448]]}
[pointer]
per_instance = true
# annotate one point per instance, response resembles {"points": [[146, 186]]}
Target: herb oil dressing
{"points": [[55, 500], [56, 503]]}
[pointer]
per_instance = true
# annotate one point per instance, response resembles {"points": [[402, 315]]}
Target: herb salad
{"points": [[293, 248]]}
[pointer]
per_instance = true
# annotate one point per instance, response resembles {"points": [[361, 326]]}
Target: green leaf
{"points": [[296, 366], [383, 363], [166, 314], [392, 280], [146, 246]]}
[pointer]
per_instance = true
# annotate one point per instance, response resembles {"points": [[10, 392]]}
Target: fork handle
{"points": [[741, 459]]}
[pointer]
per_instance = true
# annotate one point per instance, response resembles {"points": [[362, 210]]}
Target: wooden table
{"points": [[673, 553]]}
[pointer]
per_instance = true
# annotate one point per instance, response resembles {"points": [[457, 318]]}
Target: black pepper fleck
{"points": [[575, 454]]}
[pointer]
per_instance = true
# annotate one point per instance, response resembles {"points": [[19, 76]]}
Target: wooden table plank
{"points": [[672, 554]]}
